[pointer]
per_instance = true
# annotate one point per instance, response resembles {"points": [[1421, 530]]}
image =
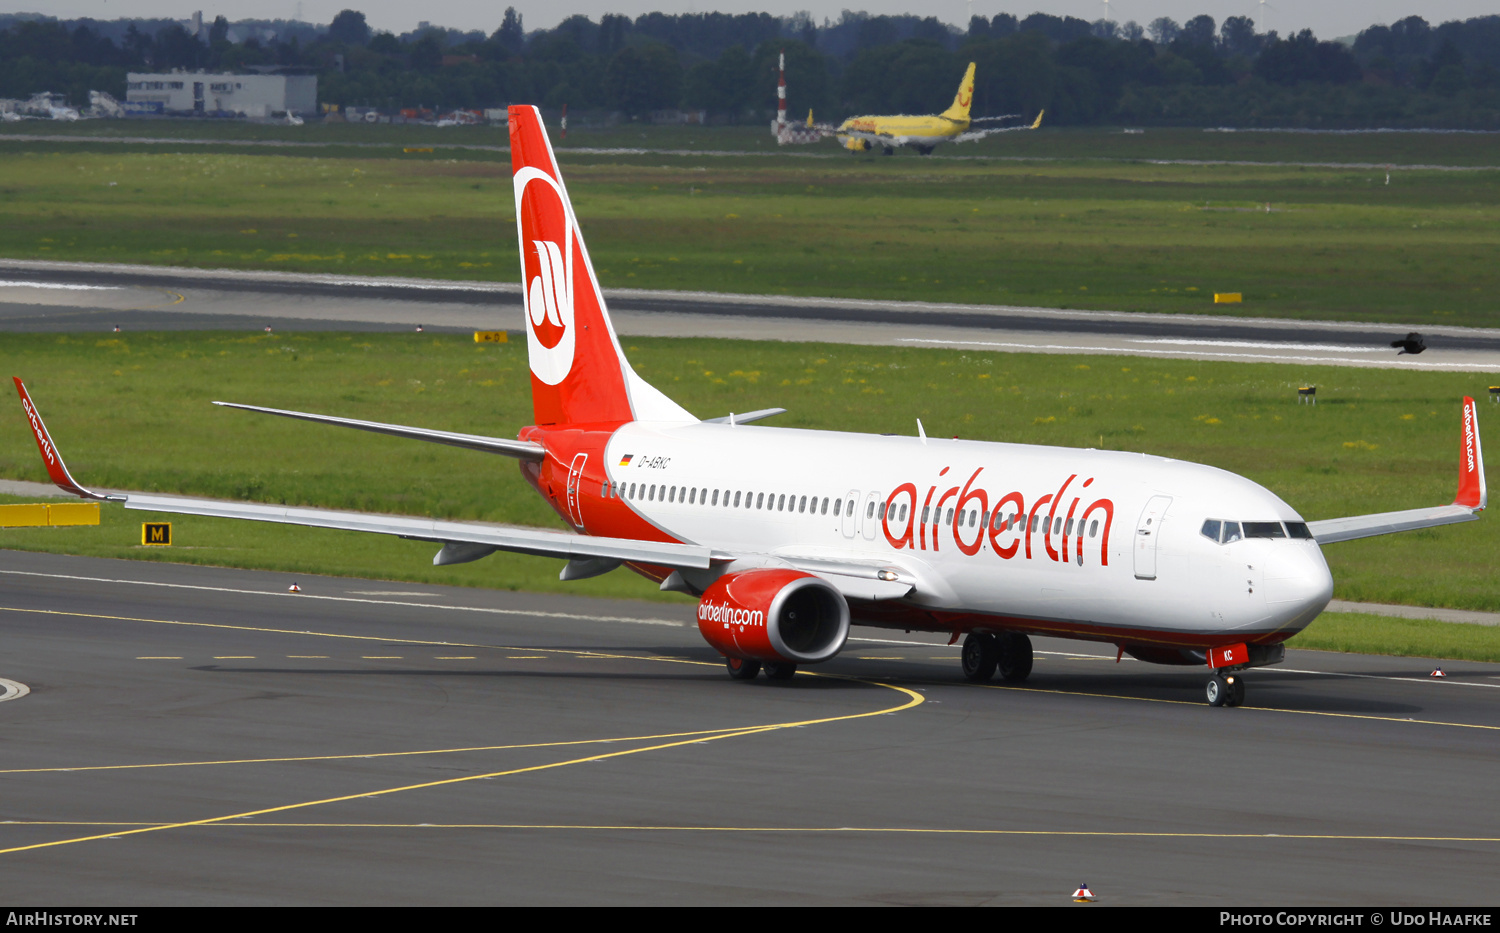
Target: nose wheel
{"points": [[1225, 690]]}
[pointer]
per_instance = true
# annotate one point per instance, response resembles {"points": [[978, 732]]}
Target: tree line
{"points": [[1200, 72]]}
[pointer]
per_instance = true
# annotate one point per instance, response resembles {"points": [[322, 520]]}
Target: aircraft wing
{"points": [[1472, 498], [484, 538], [974, 135]]}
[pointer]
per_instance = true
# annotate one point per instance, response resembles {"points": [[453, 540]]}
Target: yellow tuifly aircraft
{"points": [[863, 134]]}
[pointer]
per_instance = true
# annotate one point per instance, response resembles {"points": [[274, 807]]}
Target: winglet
{"points": [[1039, 115], [1471, 488], [51, 459]]}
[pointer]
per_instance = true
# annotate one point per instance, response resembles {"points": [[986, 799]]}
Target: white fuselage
{"points": [[1103, 544]]}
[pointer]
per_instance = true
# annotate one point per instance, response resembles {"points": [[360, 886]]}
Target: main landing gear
{"points": [[741, 669], [1225, 689], [1008, 653]]}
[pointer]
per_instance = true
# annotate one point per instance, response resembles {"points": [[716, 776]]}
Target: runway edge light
{"points": [[294, 588], [1437, 673], [1083, 895]]}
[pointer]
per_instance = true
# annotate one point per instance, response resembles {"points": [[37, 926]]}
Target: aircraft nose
{"points": [[1298, 584]]}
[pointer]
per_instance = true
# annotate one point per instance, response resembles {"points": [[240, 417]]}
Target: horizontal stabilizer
{"points": [[747, 417], [522, 450]]}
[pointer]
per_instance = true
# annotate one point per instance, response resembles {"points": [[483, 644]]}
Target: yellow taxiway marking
{"points": [[454, 657], [234, 657], [309, 657], [381, 657], [787, 830], [160, 657], [913, 699], [538, 657]]}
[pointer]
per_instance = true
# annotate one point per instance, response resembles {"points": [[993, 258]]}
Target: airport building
{"points": [[251, 95]]}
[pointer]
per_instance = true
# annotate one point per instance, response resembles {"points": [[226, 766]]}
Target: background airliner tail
{"points": [[579, 375], [961, 101]]}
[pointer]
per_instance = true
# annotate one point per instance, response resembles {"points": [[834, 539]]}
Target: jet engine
{"points": [[774, 615]]}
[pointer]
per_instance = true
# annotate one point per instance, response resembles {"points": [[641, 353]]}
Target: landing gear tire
{"points": [[1014, 656], [1236, 690], [741, 669], [1225, 690], [780, 670], [979, 658]]}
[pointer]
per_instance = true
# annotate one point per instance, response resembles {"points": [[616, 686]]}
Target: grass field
{"points": [[1363, 633], [132, 412], [1337, 243]]}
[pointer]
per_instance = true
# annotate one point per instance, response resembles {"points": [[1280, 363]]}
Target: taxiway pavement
{"points": [[89, 297], [199, 736]]}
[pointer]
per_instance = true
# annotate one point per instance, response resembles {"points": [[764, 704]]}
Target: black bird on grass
{"points": [[1411, 343]]}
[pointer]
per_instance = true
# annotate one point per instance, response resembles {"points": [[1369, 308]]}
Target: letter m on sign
{"points": [[158, 533]]}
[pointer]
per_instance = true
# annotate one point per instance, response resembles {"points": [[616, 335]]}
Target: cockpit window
{"points": [[1299, 530], [1264, 530], [1231, 532], [1211, 529]]}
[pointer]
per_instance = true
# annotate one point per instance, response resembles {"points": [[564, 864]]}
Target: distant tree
{"points": [[614, 29], [979, 27], [1132, 31], [1106, 29], [178, 48], [385, 43], [511, 35], [349, 28], [1004, 24], [1237, 36], [1444, 72], [1198, 31], [427, 53], [640, 80], [1163, 30], [1302, 58], [218, 33], [1057, 28]]}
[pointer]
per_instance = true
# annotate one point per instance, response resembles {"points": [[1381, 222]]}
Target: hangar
{"points": [[249, 95]]}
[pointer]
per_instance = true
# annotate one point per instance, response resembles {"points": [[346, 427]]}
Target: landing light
{"points": [[888, 576]]}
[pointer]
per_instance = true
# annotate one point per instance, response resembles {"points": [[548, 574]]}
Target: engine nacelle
{"points": [[774, 615]]}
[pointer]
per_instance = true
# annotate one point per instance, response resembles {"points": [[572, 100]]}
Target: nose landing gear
{"points": [[1225, 690]]}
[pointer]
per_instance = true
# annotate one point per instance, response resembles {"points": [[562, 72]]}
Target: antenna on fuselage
{"points": [[921, 432]]}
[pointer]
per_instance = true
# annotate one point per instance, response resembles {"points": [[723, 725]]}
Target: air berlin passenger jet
{"points": [[787, 536]]}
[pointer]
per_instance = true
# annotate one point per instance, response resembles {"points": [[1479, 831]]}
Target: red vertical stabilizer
{"points": [[578, 373]]}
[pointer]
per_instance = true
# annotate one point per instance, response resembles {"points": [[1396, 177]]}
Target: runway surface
{"points": [[80, 297], [200, 736]]}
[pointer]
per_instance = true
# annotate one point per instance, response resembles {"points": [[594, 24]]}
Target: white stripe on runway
{"points": [[350, 599]]}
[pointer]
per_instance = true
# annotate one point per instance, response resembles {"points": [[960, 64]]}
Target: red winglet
{"points": [[50, 457], [1471, 489]]}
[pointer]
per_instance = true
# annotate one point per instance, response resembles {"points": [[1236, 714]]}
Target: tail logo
{"points": [[965, 96], [547, 251]]}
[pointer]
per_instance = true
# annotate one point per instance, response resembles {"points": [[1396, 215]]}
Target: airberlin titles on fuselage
{"points": [[1009, 517], [1061, 527]]}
